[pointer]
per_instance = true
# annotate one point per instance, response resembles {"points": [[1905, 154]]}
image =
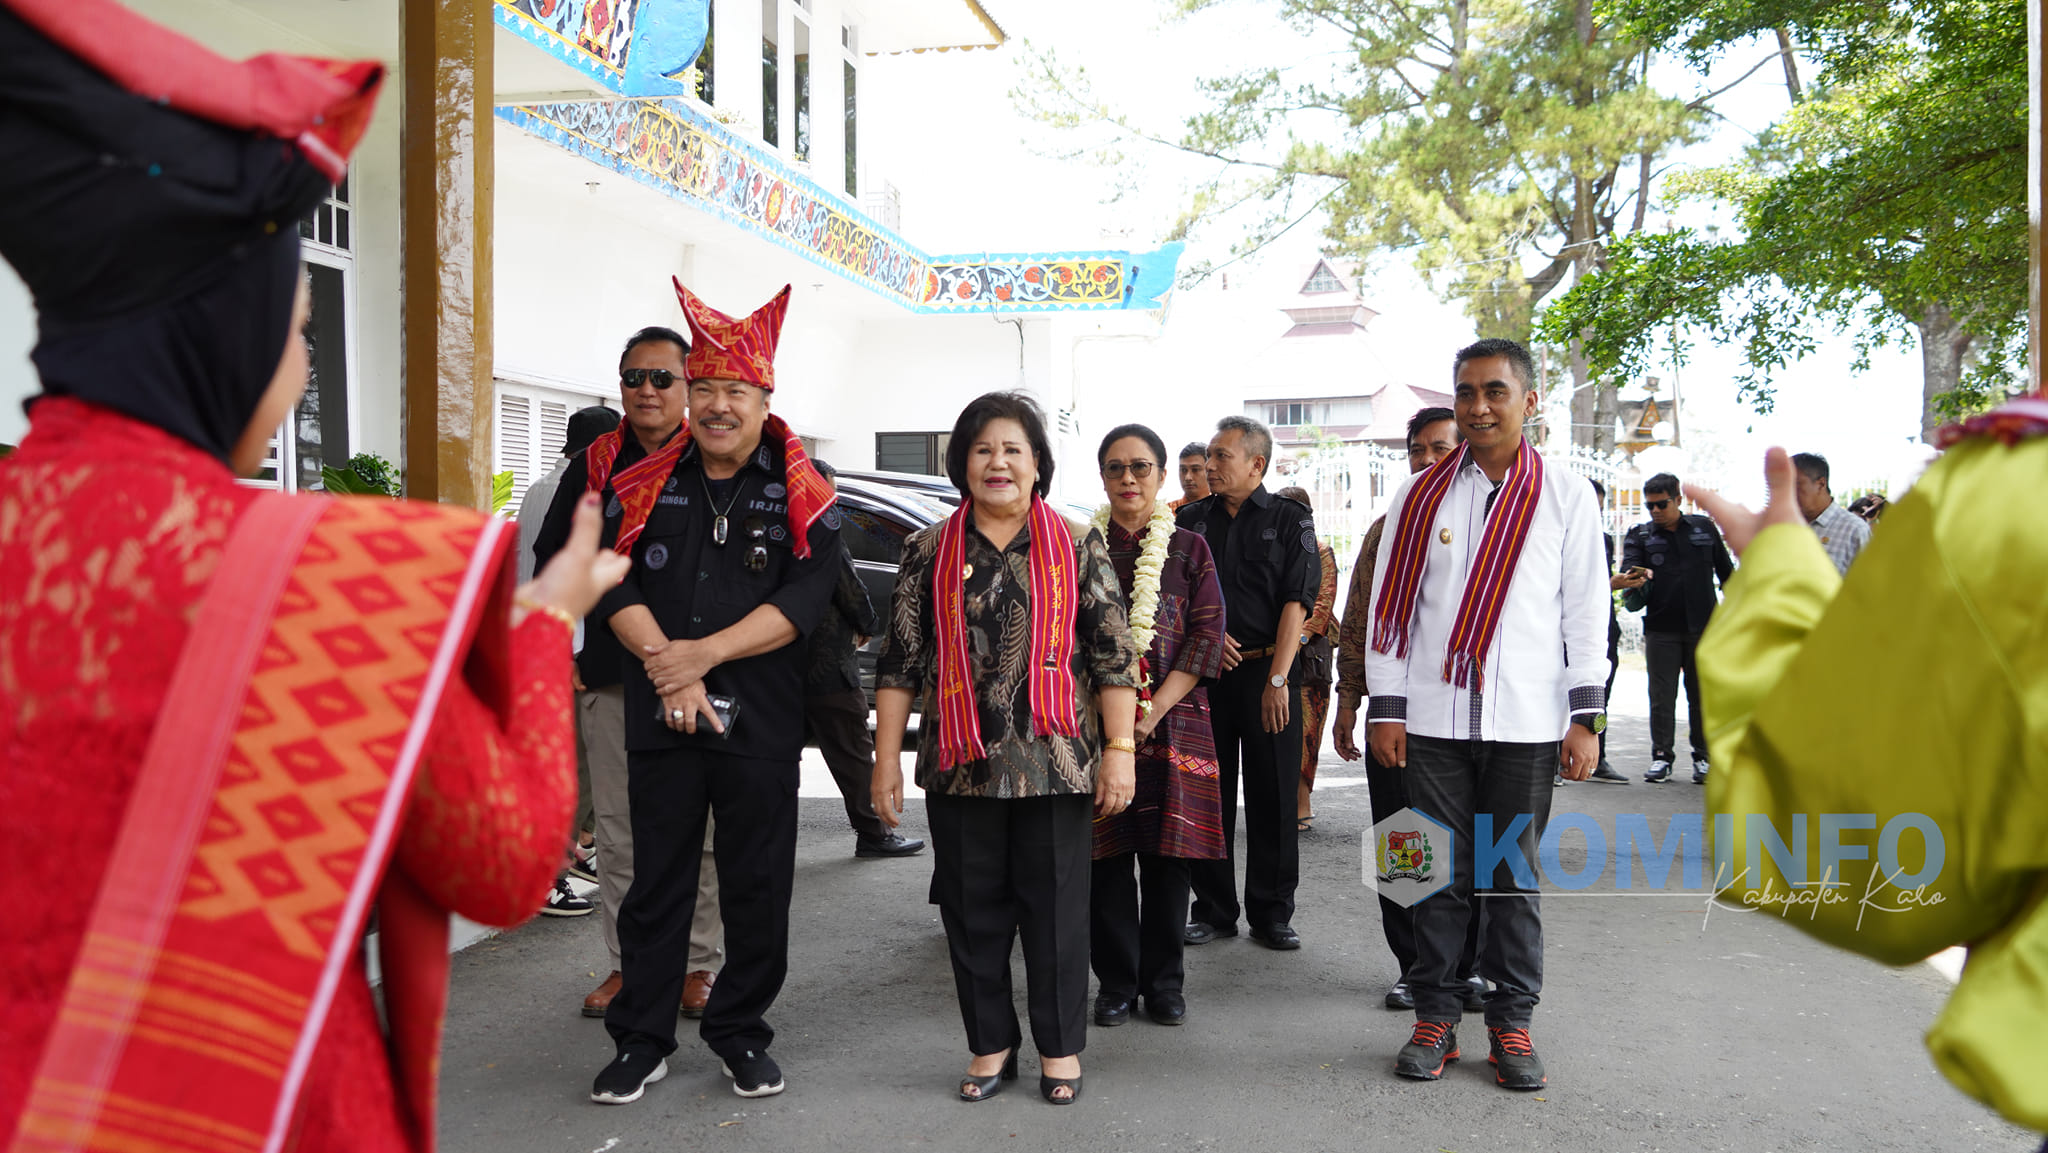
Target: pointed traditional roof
{"points": [[1328, 304]]}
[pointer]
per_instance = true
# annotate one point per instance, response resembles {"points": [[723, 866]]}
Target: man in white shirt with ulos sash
{"points": [[1488, 667]]}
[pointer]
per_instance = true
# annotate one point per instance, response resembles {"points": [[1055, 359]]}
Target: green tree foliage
{"points": [[365, 474], [1482, 138], [1891, 201]]}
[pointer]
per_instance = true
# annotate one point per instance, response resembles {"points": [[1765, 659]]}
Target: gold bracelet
{"points": [[560, 614], [1123, 745]]}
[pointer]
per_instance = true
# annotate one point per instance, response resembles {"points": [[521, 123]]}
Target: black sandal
{"points": [[986, 1087], [1047, 1086]]}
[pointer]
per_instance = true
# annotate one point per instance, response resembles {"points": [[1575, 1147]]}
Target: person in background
{"points": [[1684, 559], [1194, 474], [1870, 506], [1265, 550], [654, 413], [585, 425], [1432, 436], [1616, 582], [1841, 533], [836, 707], [1315, 661], [1008, 622], [1176, 813]]}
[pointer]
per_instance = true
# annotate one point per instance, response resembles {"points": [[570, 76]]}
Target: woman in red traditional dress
{"points": [[241, 719]]}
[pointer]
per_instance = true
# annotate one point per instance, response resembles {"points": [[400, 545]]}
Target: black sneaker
{"points": [[1660, 771], [1202, 932], [1607, 772], [1433, 1045], [628, 1076], [754, 1075], [1699, 770], [1514, 1060], [1399, 997], [585, 867], [563, 902], [886, 845]]}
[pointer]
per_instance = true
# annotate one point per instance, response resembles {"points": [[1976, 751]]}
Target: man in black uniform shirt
{"points": [[1684, 556], [735, 551], [1265, 549], [836, 709]]}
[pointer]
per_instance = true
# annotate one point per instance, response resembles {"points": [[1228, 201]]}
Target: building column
{"points": [[445, 205]]}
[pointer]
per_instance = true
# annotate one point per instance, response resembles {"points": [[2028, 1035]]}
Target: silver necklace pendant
{"points": [[718, 527]]}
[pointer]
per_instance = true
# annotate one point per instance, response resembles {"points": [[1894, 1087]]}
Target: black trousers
{"points": [[839, 723], [754, 845], [1270, 764], [1668, 654], [1390, 796], [1001, 870], [1613, 666], [1451, 781], [1135, 924]]}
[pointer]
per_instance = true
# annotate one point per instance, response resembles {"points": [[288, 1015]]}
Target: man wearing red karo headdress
{"points": [[1488, 667], [736, 552]]}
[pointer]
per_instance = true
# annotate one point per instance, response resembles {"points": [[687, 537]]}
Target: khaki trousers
{"points": [[601, 717]]}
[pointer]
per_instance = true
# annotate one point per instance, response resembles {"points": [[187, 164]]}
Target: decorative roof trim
{"points": [[671, 147]]}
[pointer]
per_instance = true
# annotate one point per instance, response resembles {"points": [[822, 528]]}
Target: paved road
{"points": [[1663, 1029]]}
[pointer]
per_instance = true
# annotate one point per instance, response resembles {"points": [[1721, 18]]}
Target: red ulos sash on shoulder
{"points": [[259, 830]]}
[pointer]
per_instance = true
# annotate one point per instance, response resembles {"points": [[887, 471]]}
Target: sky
{"points": [[1000, 182]]}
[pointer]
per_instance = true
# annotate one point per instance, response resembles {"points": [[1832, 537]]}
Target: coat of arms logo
{"points": [[1405, 855]]}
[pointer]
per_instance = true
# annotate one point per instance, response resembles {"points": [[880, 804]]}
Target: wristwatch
{"points": [[1277, 680], [1595, 723]]}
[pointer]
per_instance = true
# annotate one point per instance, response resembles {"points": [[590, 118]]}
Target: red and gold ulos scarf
{"points": [[639, 484], [1054, 601], [1493, 567]]}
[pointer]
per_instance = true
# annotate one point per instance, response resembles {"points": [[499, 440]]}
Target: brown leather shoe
{"points": [[600, 998], [696, 991]]}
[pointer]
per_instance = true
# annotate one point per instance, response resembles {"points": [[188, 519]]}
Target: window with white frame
{"points": [[530, 425], [320, 431]]}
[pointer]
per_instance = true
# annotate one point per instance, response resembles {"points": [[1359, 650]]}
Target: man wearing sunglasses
{"points": [[1684, 557]]}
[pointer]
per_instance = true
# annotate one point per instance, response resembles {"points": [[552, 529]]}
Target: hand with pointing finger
{"points": [[1738, 524]]}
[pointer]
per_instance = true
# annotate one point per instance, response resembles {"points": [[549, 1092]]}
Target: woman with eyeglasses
{"points": [[1168, 578], [1008, 621]]}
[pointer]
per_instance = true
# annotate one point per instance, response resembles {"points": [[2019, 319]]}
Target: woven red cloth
{"points": [[110, 531]]}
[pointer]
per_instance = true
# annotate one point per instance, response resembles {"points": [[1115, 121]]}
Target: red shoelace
{"points": [[1431, 1033], [1514, 1042]]}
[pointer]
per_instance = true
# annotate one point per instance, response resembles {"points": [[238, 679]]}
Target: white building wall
{"points": [[377, 398]]}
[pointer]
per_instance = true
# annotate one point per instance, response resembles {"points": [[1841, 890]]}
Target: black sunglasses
{"points": [[757, 552], [1141, 469], [660, 378], [1656, 505]]}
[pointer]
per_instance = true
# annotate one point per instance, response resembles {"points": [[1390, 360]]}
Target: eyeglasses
{"points": [[660, 378], [1656, 505], [1139, 469]]}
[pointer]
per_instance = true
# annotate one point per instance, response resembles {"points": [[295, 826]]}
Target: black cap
{"points": [[586, 425]]}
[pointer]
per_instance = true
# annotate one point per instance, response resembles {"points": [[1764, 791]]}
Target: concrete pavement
{"points": [[1663, 1028]]}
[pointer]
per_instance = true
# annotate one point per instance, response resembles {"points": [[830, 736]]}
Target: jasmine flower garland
{"points": [[1145, 587]]}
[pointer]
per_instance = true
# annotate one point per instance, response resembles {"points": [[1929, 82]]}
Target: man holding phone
{"points": [[736, 550], [1684, 557]]}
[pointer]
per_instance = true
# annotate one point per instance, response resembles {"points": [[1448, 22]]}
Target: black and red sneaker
{"points": [[1514, 1060], [1433, 1045]]}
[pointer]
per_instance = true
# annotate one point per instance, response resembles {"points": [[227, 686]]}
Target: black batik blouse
{"points": [[998, 591]]}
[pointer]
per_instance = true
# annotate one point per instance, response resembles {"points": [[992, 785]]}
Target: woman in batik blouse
{"points": [[1008, 621], [1169, 580]]}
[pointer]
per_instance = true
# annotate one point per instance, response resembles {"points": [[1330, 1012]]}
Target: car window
{"points": [[871, 536]]}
